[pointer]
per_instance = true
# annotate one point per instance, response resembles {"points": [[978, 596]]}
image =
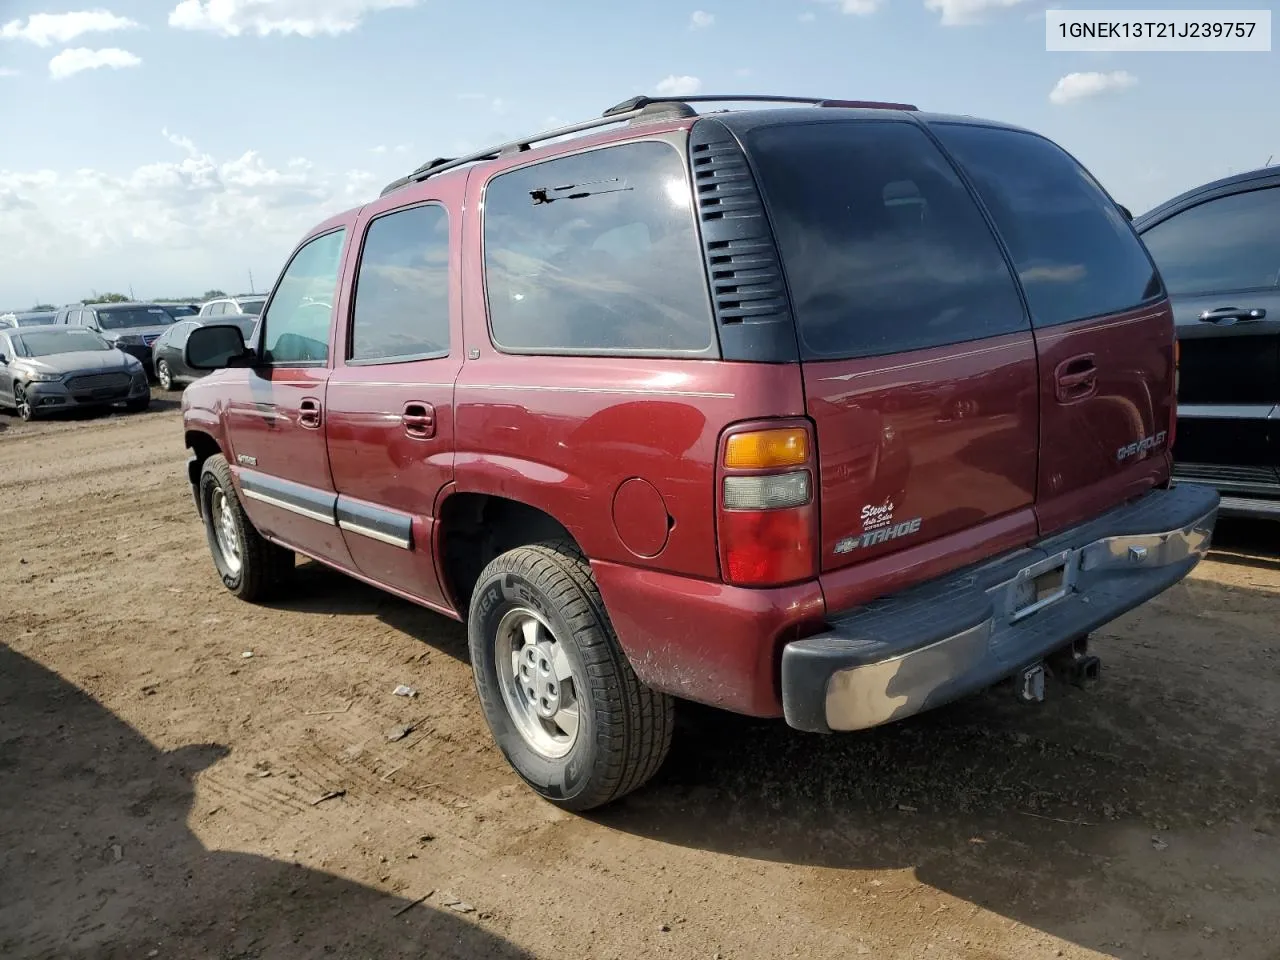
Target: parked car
{"points": [[39, 318], [131, 327], [167, 351], [1218, 249], [233, 306], [50, 369], [710, 406]]}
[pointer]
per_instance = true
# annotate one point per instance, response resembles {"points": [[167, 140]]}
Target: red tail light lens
{"points": [[767, 520]]}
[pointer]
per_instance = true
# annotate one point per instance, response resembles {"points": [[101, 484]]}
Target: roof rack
{"points": [[636, 108]]}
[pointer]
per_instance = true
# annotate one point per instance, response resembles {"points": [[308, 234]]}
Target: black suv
{"points": [[1218, 248], [131, 327]]}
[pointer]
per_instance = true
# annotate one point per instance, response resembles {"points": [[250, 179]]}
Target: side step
{"points": [[1249, 507]]}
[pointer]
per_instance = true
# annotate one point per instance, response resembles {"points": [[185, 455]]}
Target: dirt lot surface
{"points": [[164, 752]]}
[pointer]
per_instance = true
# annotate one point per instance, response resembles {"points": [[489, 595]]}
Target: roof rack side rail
{"points": [[639, 103], [440, 165]]}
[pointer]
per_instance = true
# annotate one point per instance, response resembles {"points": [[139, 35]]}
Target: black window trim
{"points": [[355, 293], [1221, 193], [1151, 301], [810, 356], [260, 330], [677, 141]]}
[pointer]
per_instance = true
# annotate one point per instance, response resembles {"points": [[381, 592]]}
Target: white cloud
{"points": [[77, 59], [701, 20], [46, 29], [958, 12], [170, 227], [808, 16], [682, 86], [858, 8], [1081, 86], [380, 148], [305, 18], [8, 72]]}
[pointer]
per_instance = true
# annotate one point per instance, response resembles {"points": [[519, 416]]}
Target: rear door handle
{"points": [[1230, 315], [419, 420], [1075, 379], [309, 412]]}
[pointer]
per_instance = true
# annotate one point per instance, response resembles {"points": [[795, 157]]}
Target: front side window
{"points": [[296, 324], [597, 253], [884, 249], [1076, 254], [401, 306], [1232, 243]]}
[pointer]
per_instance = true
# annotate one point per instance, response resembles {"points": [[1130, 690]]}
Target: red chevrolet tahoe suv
{"points": [[834, 411]]}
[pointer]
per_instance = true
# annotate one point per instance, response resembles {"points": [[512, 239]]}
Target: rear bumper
{"points": [[939, 641]]}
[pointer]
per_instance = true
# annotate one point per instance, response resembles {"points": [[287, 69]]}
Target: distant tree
{"points": [[43, 308], [213, 294], [107, 298]]}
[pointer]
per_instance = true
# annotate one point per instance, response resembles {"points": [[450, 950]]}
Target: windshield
{"points": [[46, 343], [251, 306], [35, 319], [122, 318]]}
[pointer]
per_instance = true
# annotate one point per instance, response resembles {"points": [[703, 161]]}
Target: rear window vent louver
{"points": [[747, 286]]}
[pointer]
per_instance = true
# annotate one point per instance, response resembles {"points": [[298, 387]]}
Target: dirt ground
{"points": [[164, 752]]}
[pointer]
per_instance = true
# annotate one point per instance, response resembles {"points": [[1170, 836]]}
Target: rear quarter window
{"points": [[1075, 253], [883, 247], [597, 253]]}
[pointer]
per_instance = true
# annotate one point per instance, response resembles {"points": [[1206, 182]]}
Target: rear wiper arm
{"points": [[580, 191]]}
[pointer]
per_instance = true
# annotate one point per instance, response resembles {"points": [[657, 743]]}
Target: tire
{"points": [[164, 376], [25, 411], [138, 404], [262, 569], [623, 728]]}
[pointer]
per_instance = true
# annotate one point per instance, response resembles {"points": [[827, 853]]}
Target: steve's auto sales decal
{"points": [[878, 527]]}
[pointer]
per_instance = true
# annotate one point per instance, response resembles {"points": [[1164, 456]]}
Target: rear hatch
{"points": [[918, 359], [1103, 326]]}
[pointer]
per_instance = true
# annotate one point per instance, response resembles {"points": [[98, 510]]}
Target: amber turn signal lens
{"points": [[764, 449]]}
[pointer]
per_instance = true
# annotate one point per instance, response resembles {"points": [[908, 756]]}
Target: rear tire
{"points": [[250, 565], [164, 376], [542, 649]]}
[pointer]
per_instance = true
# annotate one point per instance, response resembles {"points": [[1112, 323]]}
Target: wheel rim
{"points": [[24, 405], [162, 374], [224, 530], [537, 683]]}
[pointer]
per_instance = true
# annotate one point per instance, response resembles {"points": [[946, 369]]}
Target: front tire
{"points": [[138, 404], [25, 411], [251, 566], [558, 693]]}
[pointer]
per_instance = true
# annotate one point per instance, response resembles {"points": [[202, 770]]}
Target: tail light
{"points": [[767, 518], [1177, 383]]}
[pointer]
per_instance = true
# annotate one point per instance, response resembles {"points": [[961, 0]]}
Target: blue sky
{"points": [[201, 149]]}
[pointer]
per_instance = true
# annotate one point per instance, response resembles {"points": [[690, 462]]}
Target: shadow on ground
{"points": [[96, 859]]}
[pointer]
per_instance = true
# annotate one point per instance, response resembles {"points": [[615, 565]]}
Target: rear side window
{"points": [[1232, 243], [597, 254], [402, 291], [1075, 253], [884, 248]]}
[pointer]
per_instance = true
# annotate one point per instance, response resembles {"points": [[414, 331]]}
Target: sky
{"points": [[173, 146]]}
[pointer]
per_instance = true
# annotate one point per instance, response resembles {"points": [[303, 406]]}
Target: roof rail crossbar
{"points": [[639, 103], [515, 146]]}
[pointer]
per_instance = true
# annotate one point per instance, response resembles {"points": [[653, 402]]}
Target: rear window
{"points": [[884, 248], [597, 253], [1075, 252], [253, 307]]}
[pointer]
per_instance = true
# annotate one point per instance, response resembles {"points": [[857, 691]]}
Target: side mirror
{"points": [[216, 346], [4, 361]]}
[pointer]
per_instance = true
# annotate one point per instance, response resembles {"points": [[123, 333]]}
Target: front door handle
{"points": [[1229, 315], [1075, 379], [419, 420], [309, 413]]}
